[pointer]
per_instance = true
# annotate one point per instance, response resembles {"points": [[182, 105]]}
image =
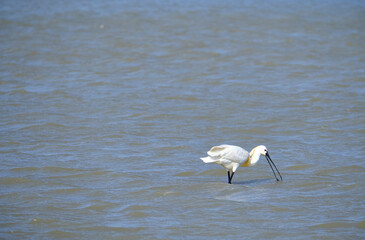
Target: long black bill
{"points": [[271, 162]]}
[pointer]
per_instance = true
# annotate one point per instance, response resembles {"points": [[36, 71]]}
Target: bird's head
{"points": [[262, 150]]}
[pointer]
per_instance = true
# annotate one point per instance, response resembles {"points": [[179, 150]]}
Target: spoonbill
{"points": [[231, 157]]}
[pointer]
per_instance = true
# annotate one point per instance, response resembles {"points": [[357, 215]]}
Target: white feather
{"points": [[231, 157], [228, 156]]}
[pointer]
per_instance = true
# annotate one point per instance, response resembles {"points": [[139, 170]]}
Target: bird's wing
{"points": [[229, 152]]}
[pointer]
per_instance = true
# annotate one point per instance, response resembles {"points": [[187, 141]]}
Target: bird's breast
{"points": [[246, 163]]}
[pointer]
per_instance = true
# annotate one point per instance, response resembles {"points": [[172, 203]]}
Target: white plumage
{"points": [[231, 157]]}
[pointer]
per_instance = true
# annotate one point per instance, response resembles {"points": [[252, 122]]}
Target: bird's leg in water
{"points": [[231, 177]]}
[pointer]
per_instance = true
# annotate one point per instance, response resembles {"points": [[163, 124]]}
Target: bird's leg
{"points": [[229, 177]]}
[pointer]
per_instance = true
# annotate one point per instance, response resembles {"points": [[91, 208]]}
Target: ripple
{"points": [[299, 167], [361, 225], [113, 229], [185, 174], [341, 170], [55, 234], [334, 225], [44, 126], [17, 180]]}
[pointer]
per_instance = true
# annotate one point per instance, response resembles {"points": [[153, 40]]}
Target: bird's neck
{"points": [[254, 157]]}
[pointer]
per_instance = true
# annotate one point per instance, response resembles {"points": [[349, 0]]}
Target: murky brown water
{"points": [[106, 108]]}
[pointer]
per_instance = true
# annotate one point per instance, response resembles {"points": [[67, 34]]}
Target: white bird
{"points": [[231, 157]]}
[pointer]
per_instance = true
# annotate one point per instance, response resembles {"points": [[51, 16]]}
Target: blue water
{"points": [[107, 107]]}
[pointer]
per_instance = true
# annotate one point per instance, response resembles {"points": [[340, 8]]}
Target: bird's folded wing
{"points": [[229, 152]]}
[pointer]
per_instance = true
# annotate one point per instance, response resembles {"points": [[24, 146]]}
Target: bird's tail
{"points": [[208, 159]]}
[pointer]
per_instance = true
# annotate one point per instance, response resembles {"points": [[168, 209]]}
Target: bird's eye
{"points": [[265, 150]]}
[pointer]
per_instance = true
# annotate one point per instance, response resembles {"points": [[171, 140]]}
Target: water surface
{"points": [[106, 108]]}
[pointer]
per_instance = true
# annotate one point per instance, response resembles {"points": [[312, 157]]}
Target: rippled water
{"points": [[106, 108]]}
